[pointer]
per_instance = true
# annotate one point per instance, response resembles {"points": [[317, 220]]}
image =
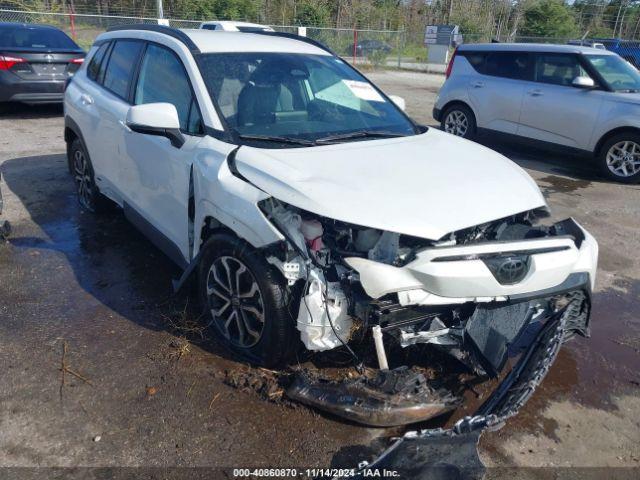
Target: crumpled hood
{"points": [[426, 185]]}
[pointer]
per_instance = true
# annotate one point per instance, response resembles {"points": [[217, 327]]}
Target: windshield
{"points": [[294, 96], [35, 38], [619, 75]]}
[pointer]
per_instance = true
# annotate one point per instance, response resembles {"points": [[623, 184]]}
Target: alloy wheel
{"points": [[623, 158], [82, 176], [456, 123], [235, 301]]}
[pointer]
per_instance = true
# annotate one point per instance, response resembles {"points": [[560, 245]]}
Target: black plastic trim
{"points": [[489, 255], [173, 134], [160, 240], [575, 281], [171, 32]]}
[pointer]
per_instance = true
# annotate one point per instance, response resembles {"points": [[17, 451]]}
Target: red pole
{"points": [[355, 45], [72, 19]]}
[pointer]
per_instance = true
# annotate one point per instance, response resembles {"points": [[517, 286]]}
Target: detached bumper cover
{"points": [[416, 455], [458, 274]]}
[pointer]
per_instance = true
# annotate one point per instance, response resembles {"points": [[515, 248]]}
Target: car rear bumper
{"points": [[437, 114], [15, 89]]}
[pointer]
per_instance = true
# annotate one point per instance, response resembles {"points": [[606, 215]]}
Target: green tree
{"points": [[313, 13], [548, 18]]}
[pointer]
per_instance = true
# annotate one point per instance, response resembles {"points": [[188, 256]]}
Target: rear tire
{"points": [[619, 158], [460, 121], [89, 196], [247, 301]]}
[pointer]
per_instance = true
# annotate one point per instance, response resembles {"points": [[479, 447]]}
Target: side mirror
{"points": [[583, 82], [399, 101], [159, 119]]}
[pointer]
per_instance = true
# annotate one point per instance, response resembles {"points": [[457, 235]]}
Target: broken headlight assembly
{"points": [[422, 319]]}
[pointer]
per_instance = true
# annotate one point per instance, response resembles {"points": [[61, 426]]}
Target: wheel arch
{"points": [[72, 132], [611, 133], [453, 103]]}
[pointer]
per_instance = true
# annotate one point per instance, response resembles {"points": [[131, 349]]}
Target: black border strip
{"points": [[172, 32]]}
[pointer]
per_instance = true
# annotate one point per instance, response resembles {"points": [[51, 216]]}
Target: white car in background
{"points": [[582, 98], [315, 215], [232, 26]]}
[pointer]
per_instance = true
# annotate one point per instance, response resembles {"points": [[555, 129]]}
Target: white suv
{"points": [[312, 211], [586, 99]]}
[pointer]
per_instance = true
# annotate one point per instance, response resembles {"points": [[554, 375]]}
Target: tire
{"points": [[260, 304], [459, 120], [619, 158], [89, 196]]}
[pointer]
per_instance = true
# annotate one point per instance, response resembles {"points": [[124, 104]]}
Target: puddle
{"points": [[557, 184]]}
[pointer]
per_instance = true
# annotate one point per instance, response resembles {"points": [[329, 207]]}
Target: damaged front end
{"points": [[480, 298]]}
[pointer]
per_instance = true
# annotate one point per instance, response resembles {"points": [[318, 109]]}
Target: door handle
{"points": [[86, 99], [535, 93], [478, 84]]}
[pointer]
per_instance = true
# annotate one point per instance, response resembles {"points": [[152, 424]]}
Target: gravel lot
{"points": [[144, 396]]}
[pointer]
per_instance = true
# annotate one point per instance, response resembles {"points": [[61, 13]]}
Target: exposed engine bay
{"points": [[388, 299]]}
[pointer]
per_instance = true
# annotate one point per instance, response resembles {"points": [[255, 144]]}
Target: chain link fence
{"points": [[363, 47]]}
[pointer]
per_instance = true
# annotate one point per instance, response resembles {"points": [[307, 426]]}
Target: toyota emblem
{"points": [[509, 269]]}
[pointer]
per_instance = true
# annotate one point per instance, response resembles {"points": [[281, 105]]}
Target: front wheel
{"points": [[459, 120], [619, 158], [246, 300]]}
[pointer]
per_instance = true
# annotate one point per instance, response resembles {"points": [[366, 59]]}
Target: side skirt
{"points": [[159, 239]]}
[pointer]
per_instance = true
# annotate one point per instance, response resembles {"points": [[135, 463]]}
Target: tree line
{"points": [[504, 19]]}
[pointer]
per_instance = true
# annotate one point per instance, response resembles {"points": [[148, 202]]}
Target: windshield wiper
{"points": [[287, 140], [358, 134]]}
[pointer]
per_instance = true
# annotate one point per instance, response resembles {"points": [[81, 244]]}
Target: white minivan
{"points": [[583, 98]]}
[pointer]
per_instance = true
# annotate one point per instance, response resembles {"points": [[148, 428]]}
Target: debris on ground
{"points": [[65, 369], [392, 397], [179, 348], [267, 384]]}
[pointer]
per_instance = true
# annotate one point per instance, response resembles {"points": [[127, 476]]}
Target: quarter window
{"points": [[122, 61], [558, 69], [515, 65], [94, 66], [164, 79]]}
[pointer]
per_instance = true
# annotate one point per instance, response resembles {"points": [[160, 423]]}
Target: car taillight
{"points": [[77, 61], [7, 62], [447, 74]]}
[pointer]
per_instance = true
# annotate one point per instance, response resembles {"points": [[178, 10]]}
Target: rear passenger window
{"points": [[514, 65], [558, 69], [94, 65], [117, 77], [476, 60], [163, 79]]}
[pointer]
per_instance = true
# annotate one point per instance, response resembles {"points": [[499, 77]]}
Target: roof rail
{"points": [[172, 32], [293, 36]]}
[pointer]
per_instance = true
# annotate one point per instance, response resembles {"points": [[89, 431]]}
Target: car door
{"points": [[553, 110], [155, 173], [496, 94], [109, 100]]}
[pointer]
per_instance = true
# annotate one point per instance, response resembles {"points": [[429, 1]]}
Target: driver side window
{"points": [[163, 79], [558, 69]]}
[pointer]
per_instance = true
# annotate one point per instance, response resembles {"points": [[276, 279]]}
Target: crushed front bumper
{"points": [[483, 272]]}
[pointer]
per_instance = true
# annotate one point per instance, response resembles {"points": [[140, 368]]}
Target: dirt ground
{"points": [[143, 388]]}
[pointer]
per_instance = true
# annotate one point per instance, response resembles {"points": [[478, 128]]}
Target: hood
{"points": [[425, 185]]}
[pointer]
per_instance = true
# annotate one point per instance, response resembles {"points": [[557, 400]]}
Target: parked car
{"points": [[627, 49], [35, 63], [587, 43], [575, 97], [232, 26], [315, 215], [367, 47]]}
